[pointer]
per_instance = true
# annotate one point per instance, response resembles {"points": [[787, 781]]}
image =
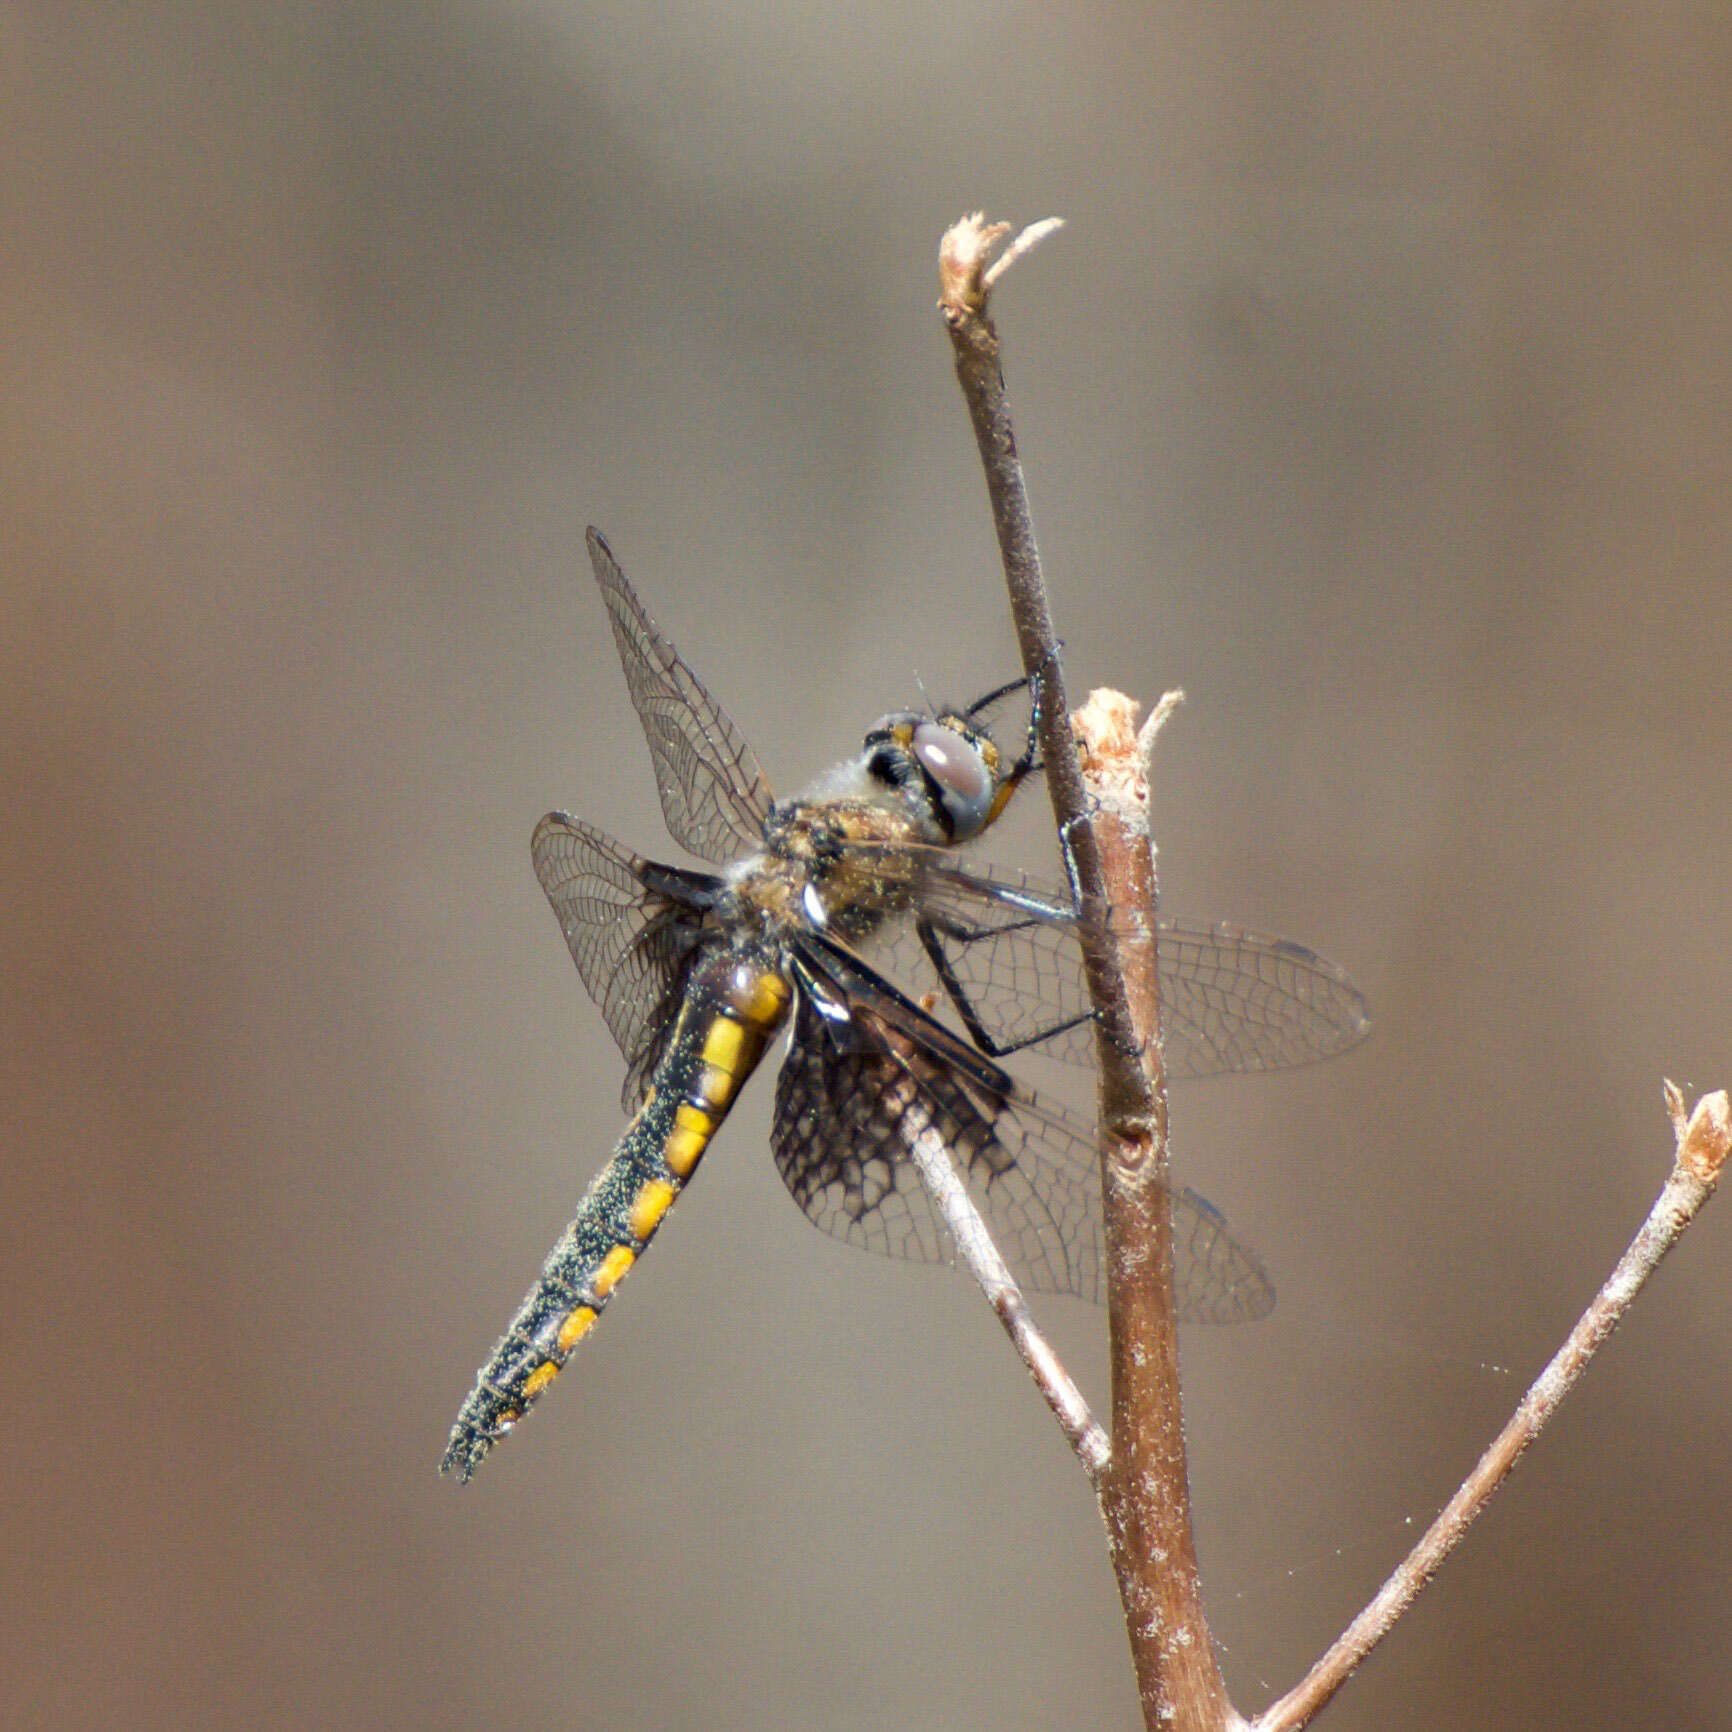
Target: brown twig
{"points": [[1149, 1509], [1703, 1140], [966, 274], [1144, 1492]]}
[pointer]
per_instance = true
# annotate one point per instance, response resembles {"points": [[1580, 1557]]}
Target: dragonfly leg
{"points": [[1066, 848], [928, 930], [1029, 760]]}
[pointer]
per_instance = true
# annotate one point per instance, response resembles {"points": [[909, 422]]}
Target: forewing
{"points": [[632, 944], [714, 796], [1232, 1000], [1008, 957], [852, 1097]]}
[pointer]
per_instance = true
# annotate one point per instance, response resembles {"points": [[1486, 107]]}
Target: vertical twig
{"points": [[965, 280], [1144, 1493], [1149, 1511]]}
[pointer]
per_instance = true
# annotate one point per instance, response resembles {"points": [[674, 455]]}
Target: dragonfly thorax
{"points": [[831, 854], [829, 860]]}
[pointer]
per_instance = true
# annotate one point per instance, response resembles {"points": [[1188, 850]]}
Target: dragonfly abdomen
{"points": [[734, 1005]]}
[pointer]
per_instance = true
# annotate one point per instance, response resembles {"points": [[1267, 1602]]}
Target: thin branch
{"points": [[963, 261], [981, 1257], [1703, 1141], [1144, 1492]]}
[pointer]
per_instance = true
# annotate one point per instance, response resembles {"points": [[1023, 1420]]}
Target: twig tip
{"points": [[1105, 725], [1165, 708], [968, 271], [1110, 745], [1025, 243], [1675, 1111], [1706, 1138]]}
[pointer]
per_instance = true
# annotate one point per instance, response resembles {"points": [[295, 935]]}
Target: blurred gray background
{"points": [[1377, 394]]}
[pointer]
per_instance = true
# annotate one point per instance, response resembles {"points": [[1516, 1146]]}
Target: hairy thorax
{"points": [[836, 863]]}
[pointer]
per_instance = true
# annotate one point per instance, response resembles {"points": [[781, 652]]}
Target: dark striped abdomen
{"points": [[733, 1008]]}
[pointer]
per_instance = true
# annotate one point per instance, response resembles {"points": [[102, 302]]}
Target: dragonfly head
{"points": [[946, 767]]}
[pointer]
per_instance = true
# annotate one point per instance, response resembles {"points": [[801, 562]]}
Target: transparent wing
{"points": [[851, 1097], [1233, 1000], [1007, 952], [714, 796], [633, 943]]}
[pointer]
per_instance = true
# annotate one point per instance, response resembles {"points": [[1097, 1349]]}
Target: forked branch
{"points": [[1100, 801]]}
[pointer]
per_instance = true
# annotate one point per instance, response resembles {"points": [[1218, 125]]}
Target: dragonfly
{"points": [[820, 902]]}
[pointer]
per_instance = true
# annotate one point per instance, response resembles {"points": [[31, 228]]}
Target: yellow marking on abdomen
{"points": [[539, 1378], [648, 1207], [693, 1128], [714, 1088], [724, 1044], [611, 1270], [575, 1327], [763, 999]]}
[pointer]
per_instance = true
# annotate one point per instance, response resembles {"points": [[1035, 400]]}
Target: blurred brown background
{"points": [[1379, 393]]}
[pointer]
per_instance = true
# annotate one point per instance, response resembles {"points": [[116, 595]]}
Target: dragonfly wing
{"points": [[841, 1156], [1004, 952], [633, 944], [1056, 1156], [1010, 959], [714, 796], [1235, 1001], [854, 1093], [846, 1116]]}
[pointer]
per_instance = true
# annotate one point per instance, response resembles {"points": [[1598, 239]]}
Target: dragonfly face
{"points": [[949, 769], [820, 897]]}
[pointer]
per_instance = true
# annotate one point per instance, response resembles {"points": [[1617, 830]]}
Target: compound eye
{"points": [[959, 769]]}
